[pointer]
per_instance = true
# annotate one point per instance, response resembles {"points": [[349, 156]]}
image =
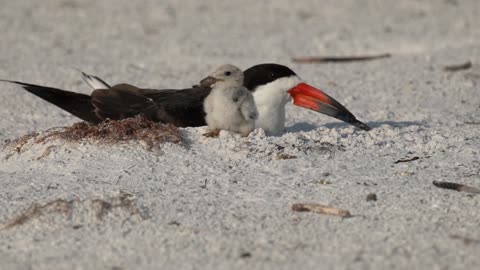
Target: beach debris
{"points": [[47, 152], [174, 223], [404, 173], [406, 160], [36, 210], [124, 203], [53, 186], [136, 128], [456, 186], [339, 59], [204, 185], [466, 240], [371, 197], [283, 156], [245, 255], [324, 182], [16, 146], [321, 209], [139, 129], [367, 184], [458, 67]]}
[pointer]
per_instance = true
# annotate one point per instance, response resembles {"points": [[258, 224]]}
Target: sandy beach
{"points": [[226, 203]]}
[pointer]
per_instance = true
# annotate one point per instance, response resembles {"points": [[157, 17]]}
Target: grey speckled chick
{"points": [[230, 106]]}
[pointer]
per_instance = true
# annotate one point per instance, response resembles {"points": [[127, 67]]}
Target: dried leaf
{"points": [[321, 209]]}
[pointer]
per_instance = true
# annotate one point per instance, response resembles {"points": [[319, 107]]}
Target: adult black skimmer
{"points": [[272, 85]]}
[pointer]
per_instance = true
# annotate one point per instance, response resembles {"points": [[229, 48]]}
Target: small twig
{"points": [[339, 59], [467, 241], [321, 209], [372, 197], [456, 186], [404, 173], [174, 223], [204, 186], [462, 66], [471, 123], [284, 156], [406, 160], [245, 255]]}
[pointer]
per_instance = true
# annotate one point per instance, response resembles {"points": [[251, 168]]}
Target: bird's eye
{"points": [[228, 73], [273, 75]]}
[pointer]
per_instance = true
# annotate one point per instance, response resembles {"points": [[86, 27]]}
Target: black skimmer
{"points": [[229, 106], [272, 86]]}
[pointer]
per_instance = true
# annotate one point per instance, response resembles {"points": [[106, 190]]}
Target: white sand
{"points": [[242, 218]]}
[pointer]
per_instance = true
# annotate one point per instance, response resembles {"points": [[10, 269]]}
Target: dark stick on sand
{"points": [[339, 59], [456, 186], [406, 160], [463, 66], [466, 240]]}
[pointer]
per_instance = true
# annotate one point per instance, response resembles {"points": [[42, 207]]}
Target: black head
{"points": [[265, 73]]}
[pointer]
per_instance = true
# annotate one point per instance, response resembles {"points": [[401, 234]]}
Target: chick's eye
{"points": [[228, 73]]}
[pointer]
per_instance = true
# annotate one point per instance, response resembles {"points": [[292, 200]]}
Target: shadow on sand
{"points": [[297, 127]]}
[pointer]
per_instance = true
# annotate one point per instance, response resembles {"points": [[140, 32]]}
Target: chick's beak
{"points": [[208, 81]]}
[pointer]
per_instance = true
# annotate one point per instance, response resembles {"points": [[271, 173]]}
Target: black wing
{"points": [[77, 104], [182, 108]]}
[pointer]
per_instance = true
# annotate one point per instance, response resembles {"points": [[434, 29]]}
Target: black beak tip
{"points": [[361, 125]]}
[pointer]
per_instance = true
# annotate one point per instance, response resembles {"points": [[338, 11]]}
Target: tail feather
{"points": [[94, 82], [77, 104]]}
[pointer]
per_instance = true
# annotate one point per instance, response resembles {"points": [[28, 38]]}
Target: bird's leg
{"points": [[245, 134], [212, 134]]}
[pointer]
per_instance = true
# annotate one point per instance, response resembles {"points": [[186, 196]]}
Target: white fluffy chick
{"points": [[229, 106]]}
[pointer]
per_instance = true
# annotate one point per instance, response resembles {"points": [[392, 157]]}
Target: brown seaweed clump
{"points": [[137, 128], [111, 132]]}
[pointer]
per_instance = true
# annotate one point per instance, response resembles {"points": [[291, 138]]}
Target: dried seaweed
{"points": [[16, 146], [36, 210], [124, 202], [112, 131], [109, 132]]}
